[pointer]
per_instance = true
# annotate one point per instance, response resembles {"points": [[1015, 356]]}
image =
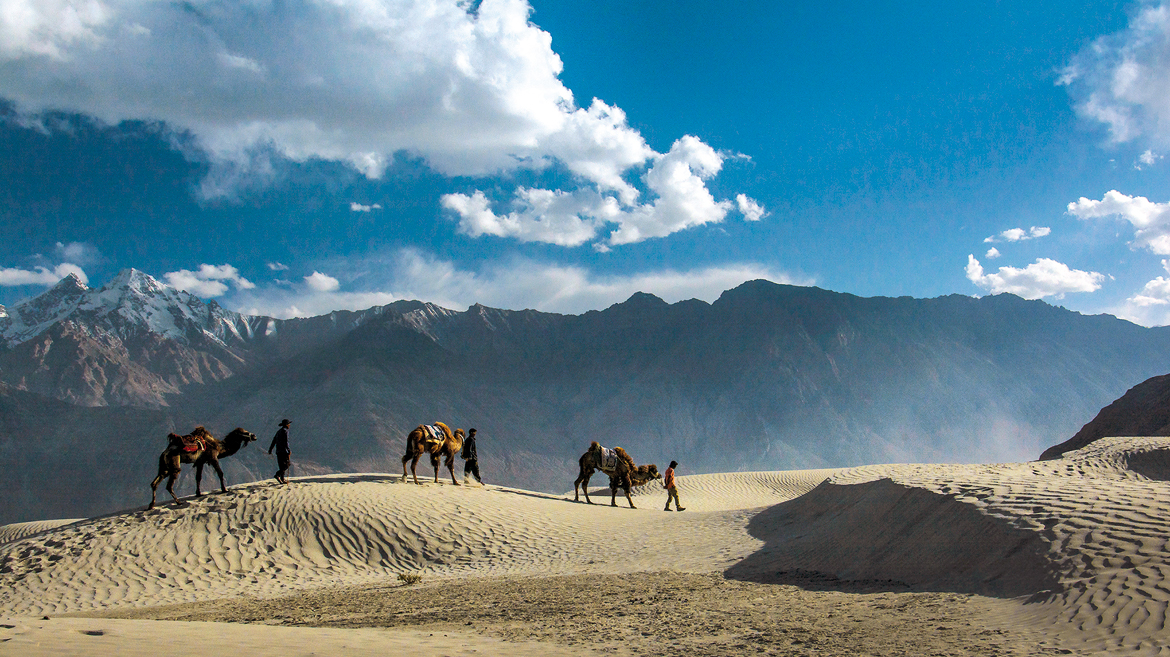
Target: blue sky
{"points": [[290, 158]]}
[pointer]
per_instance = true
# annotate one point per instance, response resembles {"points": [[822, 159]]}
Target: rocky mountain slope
{"points": [[1144, 410], [766, 377]]}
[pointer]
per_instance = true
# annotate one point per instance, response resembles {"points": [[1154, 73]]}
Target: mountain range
{"points": [[766, 377]]}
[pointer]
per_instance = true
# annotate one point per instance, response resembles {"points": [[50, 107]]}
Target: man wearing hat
{"points": [[283, 454]]}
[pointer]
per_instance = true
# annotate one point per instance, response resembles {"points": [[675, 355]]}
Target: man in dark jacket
{"points": [[472, 459], [283, 453]]}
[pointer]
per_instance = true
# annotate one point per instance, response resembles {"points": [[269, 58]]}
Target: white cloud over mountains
{"points": [[209, 281], [1123, 79], [1151, 221], [319, 282], [574, 218], [474, 93], [13, 276], [515, 284], [348, 80], [1043, 278]]}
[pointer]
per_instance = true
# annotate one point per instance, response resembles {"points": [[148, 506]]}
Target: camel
{"points": [[200, 448], [620, 467], [436, 440]]}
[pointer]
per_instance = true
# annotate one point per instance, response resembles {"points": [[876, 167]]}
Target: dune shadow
{"points": [[1152, 464], [885, 536]]}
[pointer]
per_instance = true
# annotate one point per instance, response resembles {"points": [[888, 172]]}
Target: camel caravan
{"points": [[435, 440]]}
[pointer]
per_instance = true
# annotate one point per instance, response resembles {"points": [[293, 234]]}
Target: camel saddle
{"points": [[188, 444], [434, 434], [609, 459]]}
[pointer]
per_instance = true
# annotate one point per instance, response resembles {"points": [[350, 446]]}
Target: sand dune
{"points": [[19, 530], [1075, 548]]}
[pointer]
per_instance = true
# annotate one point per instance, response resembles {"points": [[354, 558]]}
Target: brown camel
{"points": [[200, 448], [621, 470], [436, 440]]}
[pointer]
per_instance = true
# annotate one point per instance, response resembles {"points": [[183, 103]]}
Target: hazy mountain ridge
{"points": [[766, 377]]}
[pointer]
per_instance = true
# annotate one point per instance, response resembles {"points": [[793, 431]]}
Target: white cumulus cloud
{"points": [[1147, 159], [573, 218], [358, 207], [1123, 79], [473, 92], [13, 276], [473, 89], [1043, 278], [1151, 221], [209, 281], [749, 208], [1150, 306], [319, 282], [992, 253], [1019, 234]]}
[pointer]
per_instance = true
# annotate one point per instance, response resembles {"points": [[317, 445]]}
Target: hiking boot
{"points": [[682, 508], [666, 509]]}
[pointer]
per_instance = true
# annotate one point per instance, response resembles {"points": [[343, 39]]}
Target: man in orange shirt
{"points": [[671, 489]]}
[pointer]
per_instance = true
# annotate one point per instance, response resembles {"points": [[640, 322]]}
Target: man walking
{"points": [[283, 453], [671, 488], [472, 459]]}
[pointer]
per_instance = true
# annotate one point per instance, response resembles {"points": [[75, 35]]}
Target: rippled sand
{"points": [[1022, 558]]}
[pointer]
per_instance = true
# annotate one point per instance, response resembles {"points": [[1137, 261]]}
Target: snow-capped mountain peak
{"points": [[131, 303]]}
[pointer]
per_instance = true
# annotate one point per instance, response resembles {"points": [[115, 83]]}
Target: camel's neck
{"points": [[230, 446]]}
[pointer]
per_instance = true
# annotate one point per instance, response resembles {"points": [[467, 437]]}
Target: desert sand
{"points": [[1056, 557]]}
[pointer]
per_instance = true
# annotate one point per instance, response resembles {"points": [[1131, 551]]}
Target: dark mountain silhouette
{"points": [[766, 377], [1144, 410]]}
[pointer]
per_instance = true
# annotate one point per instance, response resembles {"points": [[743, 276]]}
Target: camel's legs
{"points": [[171, 486], [154, 488], [451, 468], [414, 468], [198, 477], [219, 471], [405, 458], [625, 484], [435, 465], [583, 479]]}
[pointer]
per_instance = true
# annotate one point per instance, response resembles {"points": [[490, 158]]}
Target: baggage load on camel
{"points": [[188, 444], [609, 459], [435, 434]]}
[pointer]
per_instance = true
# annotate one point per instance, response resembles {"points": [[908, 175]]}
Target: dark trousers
{"points": [[472, 466], [284, 462]]}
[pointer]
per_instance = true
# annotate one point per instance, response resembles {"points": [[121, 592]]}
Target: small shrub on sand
{"points": [[409, 578]]}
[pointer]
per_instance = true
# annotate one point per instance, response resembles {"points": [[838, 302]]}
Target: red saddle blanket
{"points": [[189, 444]]}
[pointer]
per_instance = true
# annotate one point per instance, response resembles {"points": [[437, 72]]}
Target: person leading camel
{"points": [[471, 465], [671, 489], [283, 453]]}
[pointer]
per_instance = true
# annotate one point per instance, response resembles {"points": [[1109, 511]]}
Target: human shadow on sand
{"points": [[885, 536]]}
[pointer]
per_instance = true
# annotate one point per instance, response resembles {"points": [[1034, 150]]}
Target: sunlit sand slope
{"points": [[264, 540]]}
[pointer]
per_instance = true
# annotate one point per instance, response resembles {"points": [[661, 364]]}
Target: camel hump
{"points": [[625, 456], [594, 445]]}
